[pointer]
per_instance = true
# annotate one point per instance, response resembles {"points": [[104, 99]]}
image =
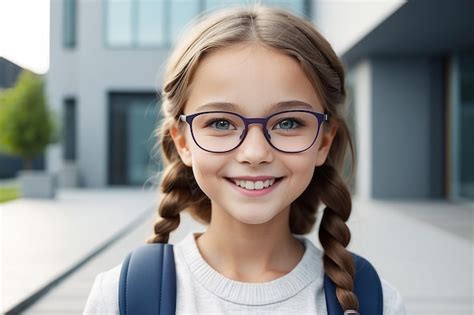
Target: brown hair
{"points": [[297, 38]]}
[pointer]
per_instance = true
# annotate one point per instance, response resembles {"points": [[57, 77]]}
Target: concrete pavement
{"points": [[425, 249], [71, 295], [44, 240]]}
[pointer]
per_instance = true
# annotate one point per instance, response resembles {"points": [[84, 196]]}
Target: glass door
{"points": [[132, 120]]}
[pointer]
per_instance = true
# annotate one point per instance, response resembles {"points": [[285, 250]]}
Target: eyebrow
{"points": [[273, 108]]}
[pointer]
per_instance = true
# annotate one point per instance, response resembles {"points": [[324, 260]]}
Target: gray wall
{"points": [[408, 127], [89, 72]]}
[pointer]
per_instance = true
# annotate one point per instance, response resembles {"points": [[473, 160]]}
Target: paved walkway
{"points": [[70, 297], [425, 249], [42, 240]]}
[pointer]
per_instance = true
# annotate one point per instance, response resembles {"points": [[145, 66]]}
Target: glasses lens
{"points": [[292, 131], [288, 131], [217, 132]]}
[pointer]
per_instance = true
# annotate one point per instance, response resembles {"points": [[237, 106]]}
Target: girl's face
{"points": [[254, 79]]}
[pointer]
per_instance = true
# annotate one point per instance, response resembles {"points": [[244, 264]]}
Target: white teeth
{"points": [[250, 185]]}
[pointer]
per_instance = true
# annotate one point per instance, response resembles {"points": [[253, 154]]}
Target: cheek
{"points": [[302, 169], [206, 168]]}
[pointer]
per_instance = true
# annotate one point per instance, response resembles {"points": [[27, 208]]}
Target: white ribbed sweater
{"points": [[202, 290]]}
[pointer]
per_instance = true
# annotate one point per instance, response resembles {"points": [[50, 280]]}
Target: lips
{"points": [[254, 178]]}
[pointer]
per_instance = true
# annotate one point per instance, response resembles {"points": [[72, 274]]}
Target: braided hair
{"points": [[297, 38]]}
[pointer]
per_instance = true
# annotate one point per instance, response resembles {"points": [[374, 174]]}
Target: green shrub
{"points": [[26, 124]]}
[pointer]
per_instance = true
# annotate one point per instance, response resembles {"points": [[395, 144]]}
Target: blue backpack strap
{"points": [[149, 272], [148, 281], [367, 287]]}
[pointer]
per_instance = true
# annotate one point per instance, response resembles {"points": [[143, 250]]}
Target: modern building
{"points": [[410, 82], [107, 59]]}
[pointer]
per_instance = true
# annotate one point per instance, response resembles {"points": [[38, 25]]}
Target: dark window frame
{"points": [[70, 129]]}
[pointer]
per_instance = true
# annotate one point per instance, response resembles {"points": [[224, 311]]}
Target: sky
{"points": [[24, 33]]}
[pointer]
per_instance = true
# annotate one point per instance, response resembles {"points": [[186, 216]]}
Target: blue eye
{"points": [[288, 124], [220, 124]]}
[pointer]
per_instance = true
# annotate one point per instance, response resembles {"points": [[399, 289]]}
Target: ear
{"points": [[325, 146], [179, 140]]}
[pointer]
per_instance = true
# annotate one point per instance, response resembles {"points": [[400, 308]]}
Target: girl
{"points": [[253, 140]]}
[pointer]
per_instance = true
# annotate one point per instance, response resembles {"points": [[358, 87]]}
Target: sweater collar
{"points": [[308, 269]]}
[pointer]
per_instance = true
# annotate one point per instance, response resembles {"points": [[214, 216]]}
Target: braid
{"points": [[174, 198], [179, 191], [327, 186], [335, 235]]}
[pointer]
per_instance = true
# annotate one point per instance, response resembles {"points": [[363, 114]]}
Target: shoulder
{"points": [[392, 300], [103, 298]]}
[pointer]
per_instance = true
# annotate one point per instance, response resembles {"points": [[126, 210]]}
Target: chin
{"points": [[253, 219]]}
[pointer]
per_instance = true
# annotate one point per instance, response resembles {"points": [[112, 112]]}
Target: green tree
{"points": [[27, 126]]}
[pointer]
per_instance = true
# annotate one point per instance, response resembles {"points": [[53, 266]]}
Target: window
{"points": [[158, 23], [151, 23], [69, 132], [181, 13], [300, 7], [119, 22], [147, 23], [69, 21]]}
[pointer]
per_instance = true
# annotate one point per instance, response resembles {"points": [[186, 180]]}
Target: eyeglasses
{"points": [[290, 131]]}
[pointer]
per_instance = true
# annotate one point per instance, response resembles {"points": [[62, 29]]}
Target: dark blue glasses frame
{"points": [[321, 117]]}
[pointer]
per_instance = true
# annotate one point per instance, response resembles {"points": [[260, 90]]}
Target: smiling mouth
{"points": [[254, 185]]}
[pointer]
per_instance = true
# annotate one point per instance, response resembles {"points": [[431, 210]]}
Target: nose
{"points": [[255, 148]]}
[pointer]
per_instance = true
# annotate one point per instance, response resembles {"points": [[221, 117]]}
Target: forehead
{"points": [[252, 77]]}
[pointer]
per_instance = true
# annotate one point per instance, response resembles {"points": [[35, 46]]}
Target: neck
{"points": [[250, 252]]}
